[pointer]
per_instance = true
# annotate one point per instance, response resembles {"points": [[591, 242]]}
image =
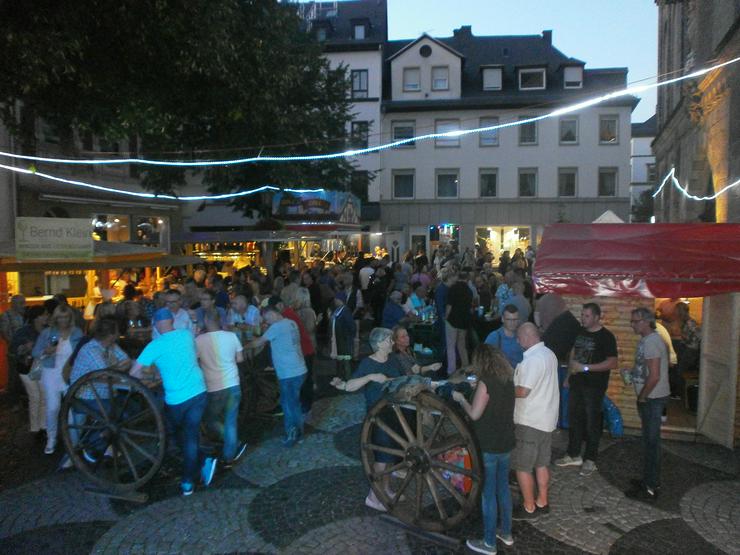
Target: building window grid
{"points": [[440, 78], [403, 184], [488, 138], [527, 182], [447, 183], [527, 132], [359, 83], [411, 79], [568, 131], [444, 126], [573, 78], [359, 134], [403, 130], [567, 182], [607, 186], [609, 130], [488, 182]]}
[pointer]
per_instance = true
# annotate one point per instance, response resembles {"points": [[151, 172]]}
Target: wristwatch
{"points": [[586, 368]]}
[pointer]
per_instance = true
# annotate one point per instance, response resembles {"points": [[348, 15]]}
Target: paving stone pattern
{"points": [[310, 499]]}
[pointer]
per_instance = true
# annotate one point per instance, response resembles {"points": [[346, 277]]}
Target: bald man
{"points": [[535, 418]]}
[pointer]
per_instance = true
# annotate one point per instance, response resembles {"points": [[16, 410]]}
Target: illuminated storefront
{"points": [[498, 239]]}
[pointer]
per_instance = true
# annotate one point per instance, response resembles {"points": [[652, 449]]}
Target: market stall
{"points": [[623, 266]]}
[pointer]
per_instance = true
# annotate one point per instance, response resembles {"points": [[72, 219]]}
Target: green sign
{"points": [[53, 238]]}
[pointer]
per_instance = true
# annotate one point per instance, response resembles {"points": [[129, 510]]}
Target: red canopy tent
{"points": [[646, 260]]}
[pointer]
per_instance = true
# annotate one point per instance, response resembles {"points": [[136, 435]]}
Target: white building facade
{"points": [[644, 175], [498, 188]]}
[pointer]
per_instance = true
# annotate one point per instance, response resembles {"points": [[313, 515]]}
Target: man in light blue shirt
{"points": [[290, 367], [174, 355], [504, 338]]}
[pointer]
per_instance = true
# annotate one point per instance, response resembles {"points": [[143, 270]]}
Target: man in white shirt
{"points": [[243, 318], [535, 418]]}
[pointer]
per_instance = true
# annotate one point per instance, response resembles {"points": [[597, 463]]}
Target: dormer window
{"points": [[491, 78], [573, 77], [532, 79], [359, 31], [321, 34]]}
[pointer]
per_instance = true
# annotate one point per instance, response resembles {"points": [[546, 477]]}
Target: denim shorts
{"points": [[533, 448]]}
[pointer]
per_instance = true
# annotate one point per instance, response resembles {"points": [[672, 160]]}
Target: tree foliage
{"points": [[230, 77]]}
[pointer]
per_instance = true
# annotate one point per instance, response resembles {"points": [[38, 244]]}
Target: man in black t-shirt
{"points": [[594, 355], [457, 321]]}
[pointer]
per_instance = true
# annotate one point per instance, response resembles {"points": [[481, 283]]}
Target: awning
{"points": [[646, 260], [106, 255]]}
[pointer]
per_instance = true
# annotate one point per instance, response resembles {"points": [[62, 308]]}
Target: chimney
{"points": [[463, 33], [547, 36]]}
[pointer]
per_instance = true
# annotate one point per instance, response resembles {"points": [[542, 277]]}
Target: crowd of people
{"points": [[206, 326]]}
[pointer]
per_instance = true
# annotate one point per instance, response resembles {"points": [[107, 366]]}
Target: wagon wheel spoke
{"points": [[140, 449], [435, 431], [134, 419], [397, 438], [389, 470], [452, 468], [404, 423], [406, 481], [419, 423], [435, 496], [110, 391], [99, 402], [87, 427], [130, 463], [124, 405], [79, 406], [447, 447], [419, 495], [116, 453], [388, 450], [449, 487], [139, 433]]}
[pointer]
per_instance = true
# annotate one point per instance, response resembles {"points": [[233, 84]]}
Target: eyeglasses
{"points": [[636, 321]]}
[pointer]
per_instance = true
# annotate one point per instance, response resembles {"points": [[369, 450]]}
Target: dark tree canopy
{"points": [[230, 77]]}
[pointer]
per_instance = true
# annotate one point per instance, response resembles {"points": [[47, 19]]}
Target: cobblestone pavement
{"points": [[309, 500]]}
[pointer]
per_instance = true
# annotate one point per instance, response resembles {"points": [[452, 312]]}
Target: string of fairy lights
{"points": [[628, 91]]}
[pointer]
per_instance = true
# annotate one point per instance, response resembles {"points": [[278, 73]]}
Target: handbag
{"points": [[36, 368]]}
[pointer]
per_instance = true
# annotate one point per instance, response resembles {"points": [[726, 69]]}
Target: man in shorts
{"points": [[535, 418]]}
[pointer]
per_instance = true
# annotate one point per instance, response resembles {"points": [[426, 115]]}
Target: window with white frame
{"points": [[608, 130], [652, 174], [532, 79], [440, 78], [607, 182], [491, 78], [527, 131], [488, 178], [446, 126], [527, 182], [573, 77], [359, 83], [404, 130], [358, 31], [447, 183], [403, 183], [488, 138], [411, 79], [568, 131], [567, 180]]}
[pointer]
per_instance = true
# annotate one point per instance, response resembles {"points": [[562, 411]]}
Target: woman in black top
{"points": [[492, 413]]}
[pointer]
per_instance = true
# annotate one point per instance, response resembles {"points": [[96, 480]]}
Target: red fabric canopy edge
{"points": [[645, 260]]}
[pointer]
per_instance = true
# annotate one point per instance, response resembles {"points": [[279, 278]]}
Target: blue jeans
{"points": [[564, 395], [221, 417], [96, 444], [185, 420], [496, 495], [650, 413], [290, 391]]}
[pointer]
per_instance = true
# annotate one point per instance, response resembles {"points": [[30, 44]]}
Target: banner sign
{"points": [[53, 238], [337, 206]]}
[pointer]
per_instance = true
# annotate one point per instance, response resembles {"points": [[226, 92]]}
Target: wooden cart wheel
{"points": [[113, 430], [437, 474]]}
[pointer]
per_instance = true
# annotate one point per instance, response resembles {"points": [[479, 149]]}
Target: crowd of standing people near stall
{"points": [[205, 329]]}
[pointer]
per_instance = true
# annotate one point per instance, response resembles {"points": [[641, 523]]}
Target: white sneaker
{"points": [[373, 503], [588, 467], [567, 460], [50, 446]]}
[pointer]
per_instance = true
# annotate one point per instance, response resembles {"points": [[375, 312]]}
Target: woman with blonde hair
{"points": [[54, 346], [404, 356], [492, 413]]}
